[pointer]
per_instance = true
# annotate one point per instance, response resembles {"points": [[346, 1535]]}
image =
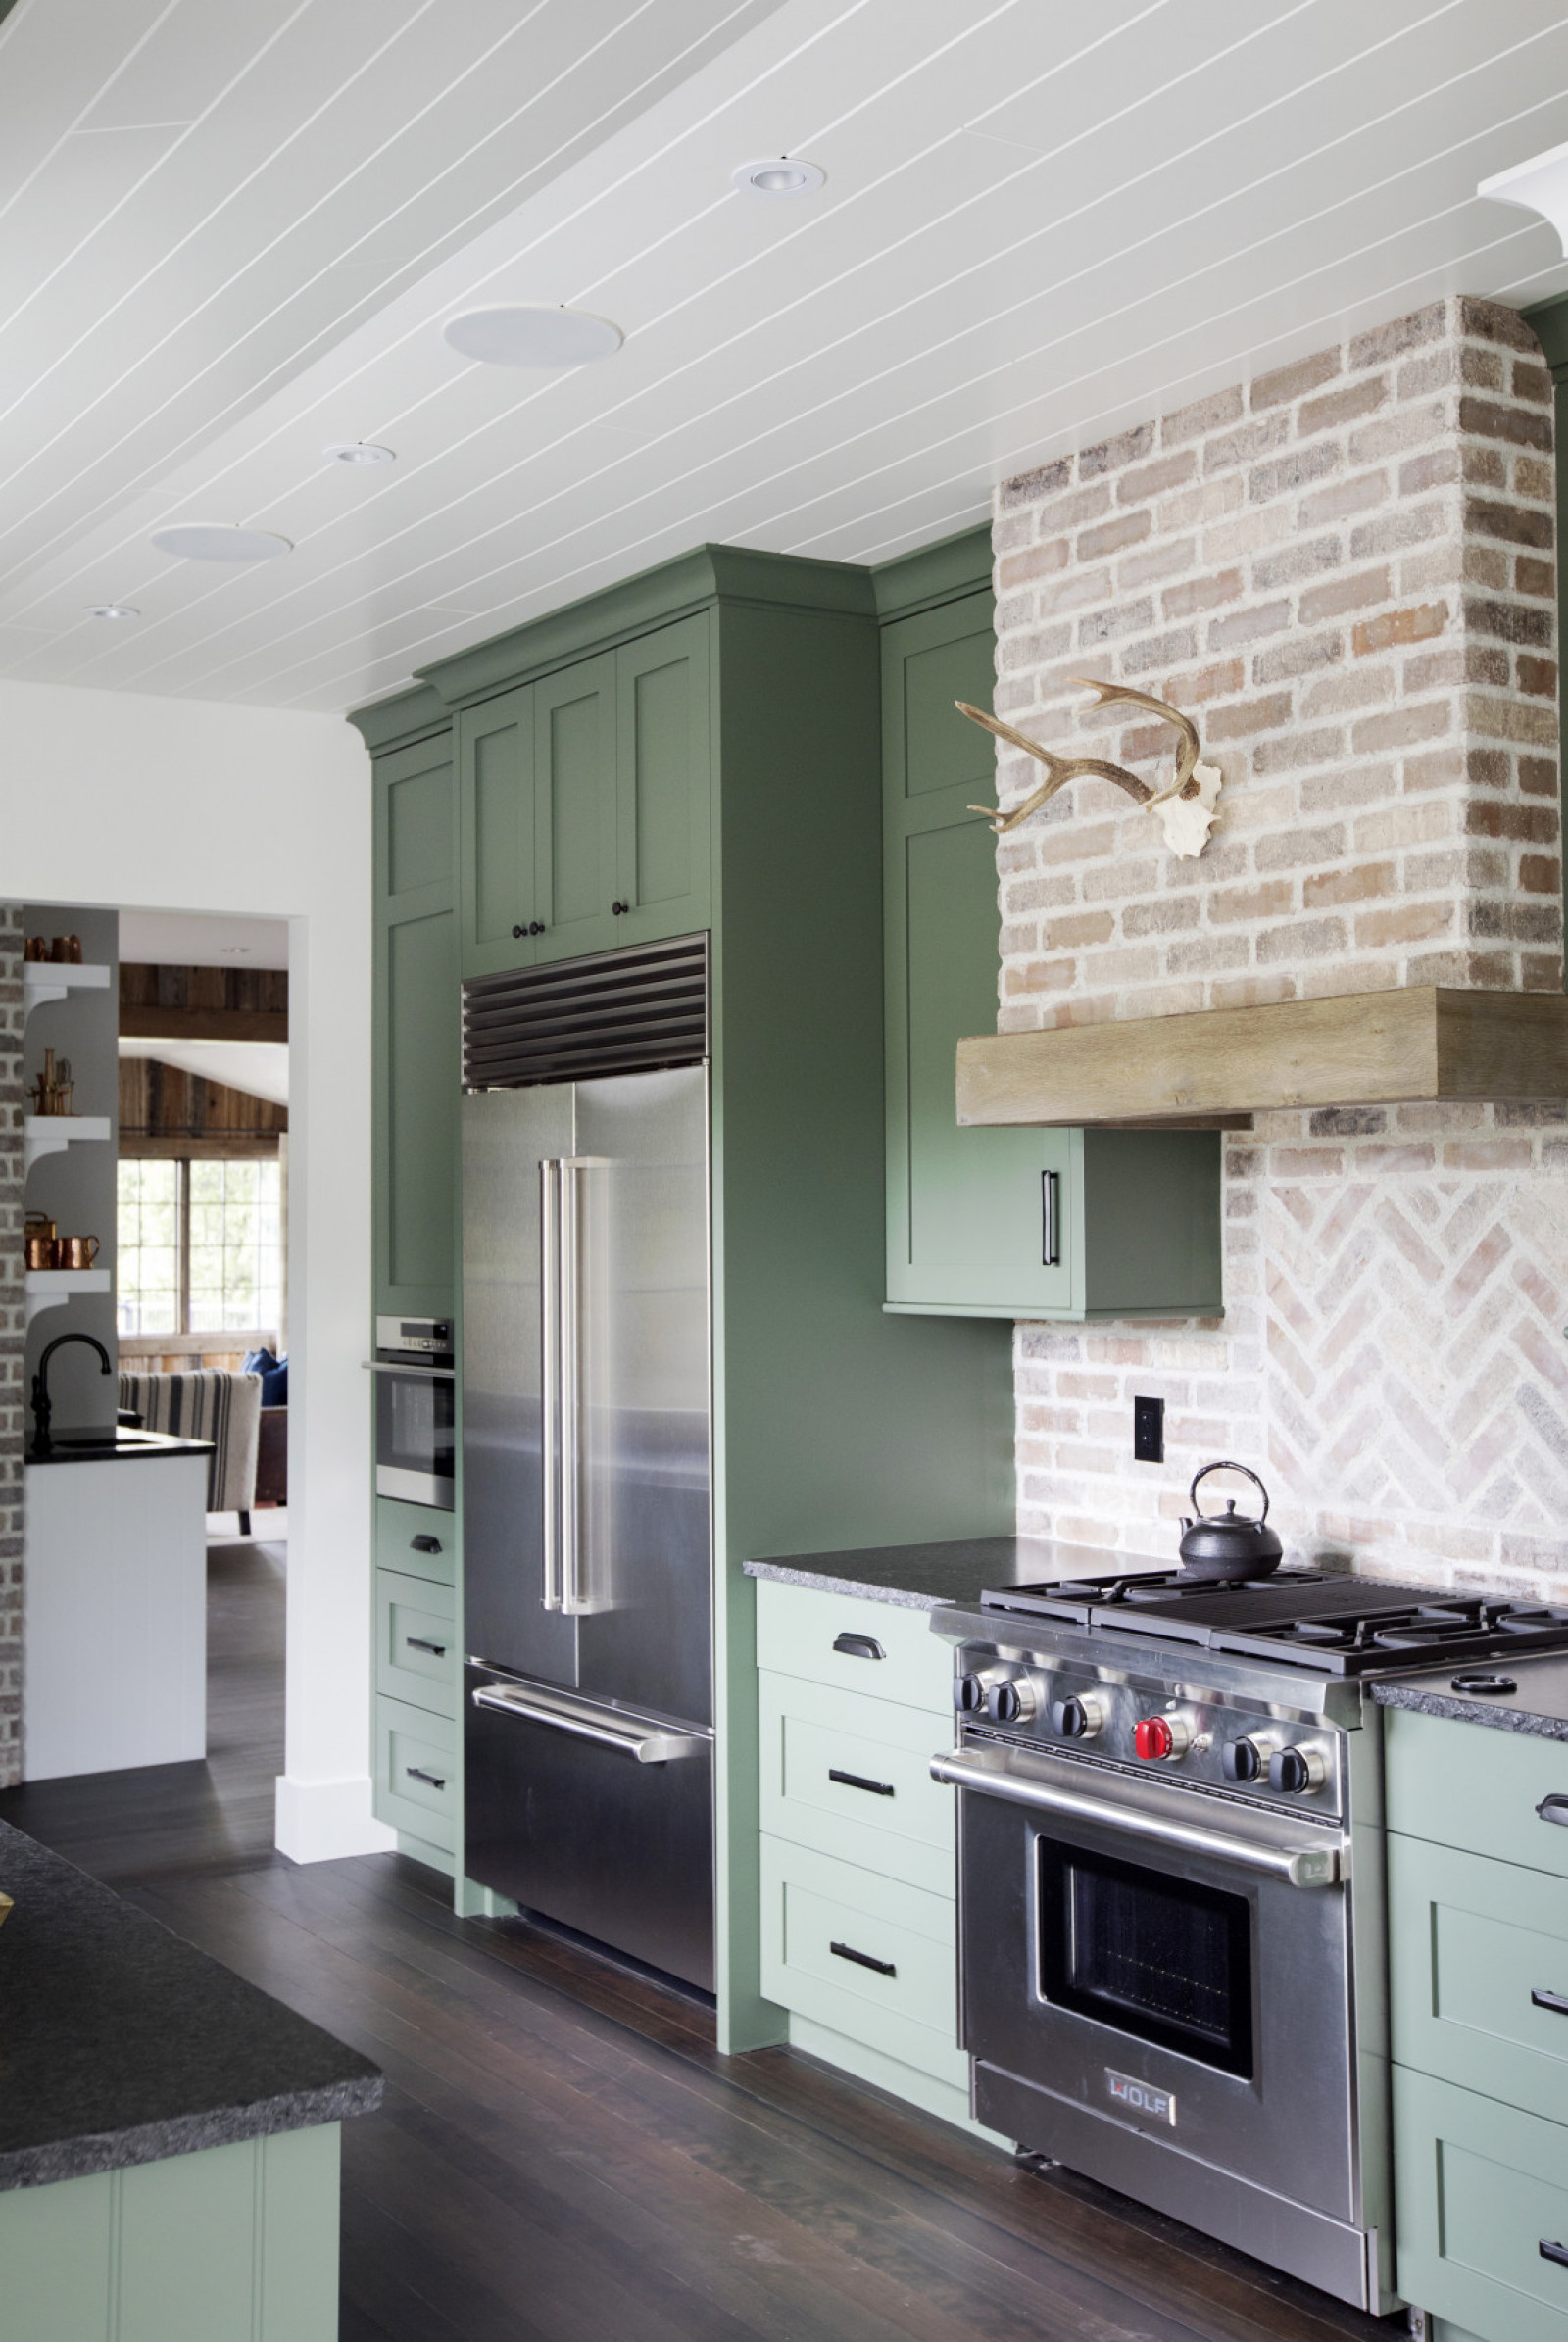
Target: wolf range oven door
{"points": [[1157, 1991]]}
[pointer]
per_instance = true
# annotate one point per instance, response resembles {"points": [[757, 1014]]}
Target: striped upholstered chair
{"points": [[225, 1408]]}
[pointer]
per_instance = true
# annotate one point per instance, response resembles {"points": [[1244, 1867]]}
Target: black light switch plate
{"points": [[1149, 1430]]}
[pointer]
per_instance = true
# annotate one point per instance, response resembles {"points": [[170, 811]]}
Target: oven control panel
{"points": [[1213, 1744]]}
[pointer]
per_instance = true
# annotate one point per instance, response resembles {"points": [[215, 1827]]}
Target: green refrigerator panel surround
{"points": [[1006, 1223], [747, 690]]}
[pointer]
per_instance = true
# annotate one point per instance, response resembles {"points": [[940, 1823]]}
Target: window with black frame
{"points": [[1161, 1958]]}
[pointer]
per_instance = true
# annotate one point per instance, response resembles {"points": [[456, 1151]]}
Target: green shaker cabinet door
{"points": [[977, 1219], [416, 1029], [663, 716], [496, 803], [574, 809]]}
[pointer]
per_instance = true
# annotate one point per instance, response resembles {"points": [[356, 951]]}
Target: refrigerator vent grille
{"points": [[629, 1011]]}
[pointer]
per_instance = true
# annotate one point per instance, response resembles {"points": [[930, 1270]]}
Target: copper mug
{"points": [[67, 949], [38, 1241], [76, 1251]]}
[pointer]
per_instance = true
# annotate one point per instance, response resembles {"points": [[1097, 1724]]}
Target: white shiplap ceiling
{"points": [[1041, 220]]}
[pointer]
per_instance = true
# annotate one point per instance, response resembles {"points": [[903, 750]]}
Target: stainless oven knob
{"points": [[1010, 1703], [1079, 1718], [1244, 1760], [1297, 1771], [1161, 1739], [969, 1690]]}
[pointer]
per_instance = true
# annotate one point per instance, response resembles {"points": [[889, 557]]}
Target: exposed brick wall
{"points": [[12, 1336], [1345, 571]]}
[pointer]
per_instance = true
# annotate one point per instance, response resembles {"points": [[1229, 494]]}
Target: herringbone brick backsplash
{"points": [[1344, 571]]}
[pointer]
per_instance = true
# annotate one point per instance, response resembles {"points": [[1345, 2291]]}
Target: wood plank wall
{"points": [[164, 1110]]}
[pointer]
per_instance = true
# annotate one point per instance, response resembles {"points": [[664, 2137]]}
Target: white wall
{"points": [[127, 800]]}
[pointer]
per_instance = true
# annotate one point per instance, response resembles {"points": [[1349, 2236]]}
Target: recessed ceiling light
{"points": [[360, 450], [109, 610], [537, 337], [220, 541], [779, 175]]}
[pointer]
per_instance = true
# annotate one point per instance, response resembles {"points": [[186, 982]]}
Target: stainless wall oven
{"points": [[415, 1410]]}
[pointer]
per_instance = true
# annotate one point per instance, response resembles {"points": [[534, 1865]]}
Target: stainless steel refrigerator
{"points": [[587, 1477]]}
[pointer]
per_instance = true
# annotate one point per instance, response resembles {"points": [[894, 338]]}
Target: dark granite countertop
{"points": [[114, 1448], [1539, 1705], [935, 1577], [120, 2044]]}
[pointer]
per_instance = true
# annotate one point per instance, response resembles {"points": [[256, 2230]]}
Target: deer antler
{"points": [[1062, 770]]}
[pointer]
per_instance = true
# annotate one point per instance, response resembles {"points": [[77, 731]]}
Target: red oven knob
{"points": [[1160, 1739]]}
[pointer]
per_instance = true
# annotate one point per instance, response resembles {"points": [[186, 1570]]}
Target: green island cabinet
{"points": [[860, 1916], [1478, 1957], [702, 746], [1030, 1223]]}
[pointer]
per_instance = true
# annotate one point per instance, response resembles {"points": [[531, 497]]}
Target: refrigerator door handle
{"points": [[550, 1299], [570, 1373], [647, 1743]]}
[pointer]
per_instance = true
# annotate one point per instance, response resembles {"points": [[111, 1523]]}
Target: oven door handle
{"points": [[424, 1374], [1298, 1866]]}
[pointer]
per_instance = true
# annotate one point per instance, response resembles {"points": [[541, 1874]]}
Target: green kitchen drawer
{"points": [[853, 1645], [1470, 1941], [825, 1923], [416, 1641], [404, 1535], [1479, 2189], [1475, 1786], [852, 1776], [416, 1762]]}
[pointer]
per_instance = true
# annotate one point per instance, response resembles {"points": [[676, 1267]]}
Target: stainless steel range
{"points": [[1172, 1951]]}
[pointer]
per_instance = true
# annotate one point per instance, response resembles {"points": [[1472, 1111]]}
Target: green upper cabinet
{"points": [[585, 804], [1005, 1223], [416, 1027]]}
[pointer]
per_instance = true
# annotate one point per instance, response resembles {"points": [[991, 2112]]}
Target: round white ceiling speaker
{"points": [[219, 541], [109, 610], [536, 337], [359, 450], [779, 174]]}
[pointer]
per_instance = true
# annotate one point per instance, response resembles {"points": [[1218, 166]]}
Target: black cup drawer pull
{"points": [[1556, 2002], [433, 1780], [885, 1967], [876, 1788], [425, 1545], [867, 1647], [1555, 2252], [416, 1643]]}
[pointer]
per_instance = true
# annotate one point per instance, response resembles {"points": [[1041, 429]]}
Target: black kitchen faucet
{"points": [[42, 1405]]}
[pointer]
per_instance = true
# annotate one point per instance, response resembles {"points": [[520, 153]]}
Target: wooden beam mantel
{"points": [[151, 1021], [1356, 1049]]}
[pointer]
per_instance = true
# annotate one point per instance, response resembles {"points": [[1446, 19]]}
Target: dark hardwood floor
{"points": [[562, 2155]]}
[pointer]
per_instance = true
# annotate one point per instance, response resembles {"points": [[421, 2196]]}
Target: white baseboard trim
{"points": [[322, 1821]]}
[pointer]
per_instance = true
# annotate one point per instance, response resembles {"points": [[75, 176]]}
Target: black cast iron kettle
{"points": [[1228, 1547]]}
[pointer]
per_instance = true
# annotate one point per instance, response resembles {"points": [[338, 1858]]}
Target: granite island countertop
{"points": [[950, 1575], [120, 2044], [1538, 1706], [113, 1447]]}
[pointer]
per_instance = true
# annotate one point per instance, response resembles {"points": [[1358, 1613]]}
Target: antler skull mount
{"points": [[1186, 809]]}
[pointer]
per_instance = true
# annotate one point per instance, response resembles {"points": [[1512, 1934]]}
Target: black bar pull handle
{"points": [[1555, 1808], [425, 1545], [416, 1643], [858, 1646], [433, 1780], [1051, 1219], [1555, 2252], [885, 1967], [877, 1788], [1556, 2002]]}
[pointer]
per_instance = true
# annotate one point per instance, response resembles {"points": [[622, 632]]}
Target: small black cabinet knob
{"points": [[537, 927], [620, 910], [518, 933]]}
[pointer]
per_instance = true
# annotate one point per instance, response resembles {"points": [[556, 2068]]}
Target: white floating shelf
{"points": [[55, 979], [48, 1288], [52, 1134]]}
